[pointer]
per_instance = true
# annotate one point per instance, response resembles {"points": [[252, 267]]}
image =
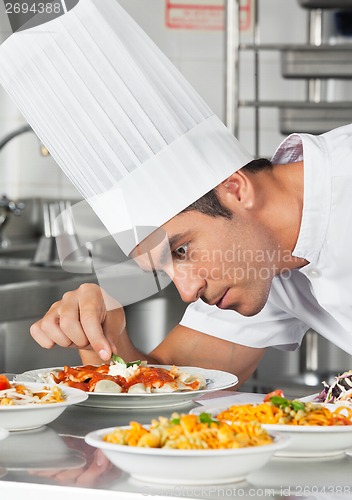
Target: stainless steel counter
{"points": [[57, 455]]}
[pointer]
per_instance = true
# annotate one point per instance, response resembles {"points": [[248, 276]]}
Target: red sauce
{"points": [[85, 377], [150, 376]]}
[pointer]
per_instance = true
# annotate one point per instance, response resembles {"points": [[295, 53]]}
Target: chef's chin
{"points": [[248, 308]]}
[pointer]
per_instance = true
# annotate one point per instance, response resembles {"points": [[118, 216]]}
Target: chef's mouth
{"points": [[217, 302], [222, 303]]}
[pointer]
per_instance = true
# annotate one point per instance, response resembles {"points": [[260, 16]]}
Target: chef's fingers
{"points": [[113, 326], [92, 314], [70, 310], [47, 329]]}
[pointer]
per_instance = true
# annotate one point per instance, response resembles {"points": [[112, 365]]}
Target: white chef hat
{"points": [[120, 120]]}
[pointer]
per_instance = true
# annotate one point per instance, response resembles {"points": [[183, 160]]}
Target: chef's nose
{"points": [[190, 285]]}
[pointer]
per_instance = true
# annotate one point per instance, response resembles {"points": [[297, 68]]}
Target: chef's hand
{"points": [[85, 319]]}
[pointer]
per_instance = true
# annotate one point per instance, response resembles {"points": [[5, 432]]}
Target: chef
{"points": [[260, 249]]}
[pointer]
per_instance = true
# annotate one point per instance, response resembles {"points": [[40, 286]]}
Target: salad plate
{"points": [[31, 415], [307, 441], [215, 380]]}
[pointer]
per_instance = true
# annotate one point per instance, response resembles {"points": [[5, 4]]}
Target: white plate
{"points": [[160, 465], [307, 441], [3, 433], [216, 380], [38, 449], [31, 416]]}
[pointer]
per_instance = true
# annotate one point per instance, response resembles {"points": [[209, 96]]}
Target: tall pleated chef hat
{"points": [[120, 120]]}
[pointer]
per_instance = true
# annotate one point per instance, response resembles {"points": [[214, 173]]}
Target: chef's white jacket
{"points": [[319, 295]]}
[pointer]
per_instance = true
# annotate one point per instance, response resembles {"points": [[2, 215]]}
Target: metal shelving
{"points": [[313, 62]]}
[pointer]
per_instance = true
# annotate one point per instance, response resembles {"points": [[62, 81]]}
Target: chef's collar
{"points": [[317, 197]]}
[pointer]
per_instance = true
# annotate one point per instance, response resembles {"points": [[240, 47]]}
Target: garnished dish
{"points": [[121, 384], [133, 378], [339, 390], [190, 432], [188, 449], [30, 405], [282, 411], [315, 429]]}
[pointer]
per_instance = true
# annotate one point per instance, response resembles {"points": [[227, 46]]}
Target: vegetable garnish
{"points": [[277, 392], [4, 383], [283, 403], [206, 418], [118, 359]]}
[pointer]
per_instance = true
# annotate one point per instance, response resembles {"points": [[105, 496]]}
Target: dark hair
{"points": [[209, 204]]}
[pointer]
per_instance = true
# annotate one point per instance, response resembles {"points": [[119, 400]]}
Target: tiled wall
{"points": [[199, 54]]}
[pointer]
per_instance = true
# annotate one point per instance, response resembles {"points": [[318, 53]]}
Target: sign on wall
{"points": [[204, 14]]}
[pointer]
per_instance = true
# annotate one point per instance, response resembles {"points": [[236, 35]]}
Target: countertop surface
{"points": [[55, 460]]}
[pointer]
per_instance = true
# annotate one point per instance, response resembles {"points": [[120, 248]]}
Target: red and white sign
{"points": [[203, 14]]}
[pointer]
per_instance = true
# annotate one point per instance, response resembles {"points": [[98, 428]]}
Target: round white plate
{"points": [[160, 465], [307, 441], [31, 416], [216, 380]]}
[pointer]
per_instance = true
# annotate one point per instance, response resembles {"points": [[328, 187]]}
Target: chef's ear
{"points": [[237, 189]]}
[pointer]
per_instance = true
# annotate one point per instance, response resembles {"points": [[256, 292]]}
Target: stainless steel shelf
{"points": [[297, 104], [325, 4], [311, 63]]}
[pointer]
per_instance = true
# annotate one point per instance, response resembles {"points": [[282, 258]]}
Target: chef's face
{"points": [[228, 263]]}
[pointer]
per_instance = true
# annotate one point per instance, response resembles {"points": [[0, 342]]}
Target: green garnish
{"points": [[283, 403], [175, 421], [131, 363], [206, 418], [118, 359]]}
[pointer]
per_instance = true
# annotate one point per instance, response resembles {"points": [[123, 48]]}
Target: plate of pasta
{"points": [[135, 384], [30, 405], [315, 430], [187, 449]]}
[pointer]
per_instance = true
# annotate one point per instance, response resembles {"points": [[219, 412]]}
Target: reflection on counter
{"points": [[45, 456]]}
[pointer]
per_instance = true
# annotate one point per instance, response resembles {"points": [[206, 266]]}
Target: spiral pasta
{"points": [[305, 414]]}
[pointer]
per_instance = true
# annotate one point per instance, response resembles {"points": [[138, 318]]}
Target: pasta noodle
{"points": [[138, 379], [305, 414], [190, 432], [19, 394]]}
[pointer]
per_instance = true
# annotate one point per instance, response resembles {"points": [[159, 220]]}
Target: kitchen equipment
{"points": [[325, 4]]}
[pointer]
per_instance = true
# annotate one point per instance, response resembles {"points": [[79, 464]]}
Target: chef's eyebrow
{"points": [[166, 249]]}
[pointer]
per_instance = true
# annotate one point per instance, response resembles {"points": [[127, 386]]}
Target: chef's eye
{"points": [[181, 252]]}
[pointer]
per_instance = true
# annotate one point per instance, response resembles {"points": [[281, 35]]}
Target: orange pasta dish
{"points": [[190, 432], [279, 410]]}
